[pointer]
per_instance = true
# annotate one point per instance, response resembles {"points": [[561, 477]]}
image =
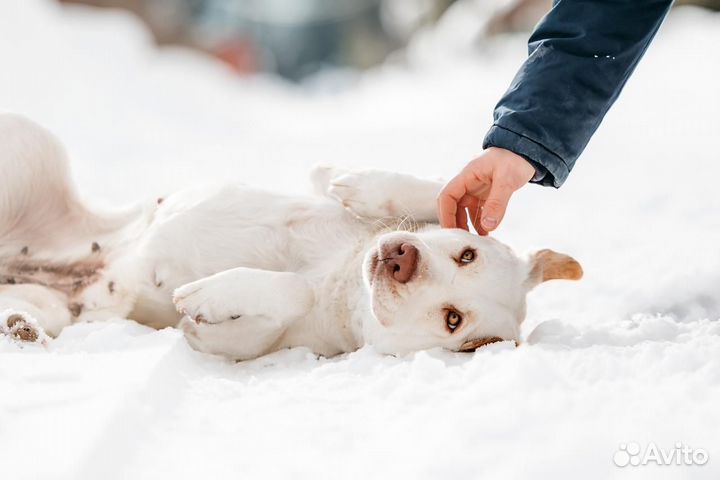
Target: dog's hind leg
{"points": [[21, 327], [242, 312], [38, 201], [35, 185], [29, 312]]}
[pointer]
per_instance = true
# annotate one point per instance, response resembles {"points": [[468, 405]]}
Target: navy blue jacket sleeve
{"points": [[580, 56]]}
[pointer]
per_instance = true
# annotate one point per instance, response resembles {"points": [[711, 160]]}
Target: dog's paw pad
{"points": [[22, 328]]}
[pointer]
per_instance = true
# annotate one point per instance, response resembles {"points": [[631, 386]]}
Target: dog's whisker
{"points": [[409, 215], [382, 224], [407, 218]]}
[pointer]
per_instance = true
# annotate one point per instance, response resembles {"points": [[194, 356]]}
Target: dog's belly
{"points": [[73, 264], [197, 234]]}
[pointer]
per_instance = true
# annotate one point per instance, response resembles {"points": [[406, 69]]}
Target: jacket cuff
{"points": [[556, 172]]}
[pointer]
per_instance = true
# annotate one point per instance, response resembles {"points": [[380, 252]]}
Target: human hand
{"points": [[484, 188]]}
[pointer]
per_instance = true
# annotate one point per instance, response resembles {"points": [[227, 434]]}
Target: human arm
{"points": [[580, 56]]}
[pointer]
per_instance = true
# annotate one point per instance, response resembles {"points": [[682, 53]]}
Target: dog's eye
{"points": [[467, 256], [453, 320]]}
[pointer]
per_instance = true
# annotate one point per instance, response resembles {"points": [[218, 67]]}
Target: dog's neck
{"points": [[343, 304], [350, 306], [358, 297]]}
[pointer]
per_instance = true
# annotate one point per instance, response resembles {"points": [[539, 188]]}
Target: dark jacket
{"points": [[580, 56]]}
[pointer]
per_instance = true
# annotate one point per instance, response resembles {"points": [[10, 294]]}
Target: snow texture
{"points": [[630, 354]]}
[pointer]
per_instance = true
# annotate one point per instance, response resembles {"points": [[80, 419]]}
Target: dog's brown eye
{"points": [[453, 320], [467, 256]]}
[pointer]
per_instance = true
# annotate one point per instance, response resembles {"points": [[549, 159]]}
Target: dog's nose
{"points": [[401, 262]]}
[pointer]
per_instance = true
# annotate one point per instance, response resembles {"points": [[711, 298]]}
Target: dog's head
{"points": [[451, 289]]}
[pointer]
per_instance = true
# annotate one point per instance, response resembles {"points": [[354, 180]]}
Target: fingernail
{"points": [[489, 223]]}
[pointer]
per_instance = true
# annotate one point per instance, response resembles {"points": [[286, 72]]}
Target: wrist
{"points": [[525, 166], [540, 171]]}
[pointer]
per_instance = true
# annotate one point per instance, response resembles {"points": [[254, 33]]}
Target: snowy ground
{"points": [[630, 354]]}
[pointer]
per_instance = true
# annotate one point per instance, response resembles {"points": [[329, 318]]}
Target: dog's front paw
{"points": [[22, 328], [367, 194], [205, 301], [321, 175]]}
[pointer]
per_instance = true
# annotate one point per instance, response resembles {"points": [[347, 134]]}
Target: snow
{"points": [[630, 354]]}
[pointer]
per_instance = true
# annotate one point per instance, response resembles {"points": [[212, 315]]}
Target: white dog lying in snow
{"points": [[252, 272]]}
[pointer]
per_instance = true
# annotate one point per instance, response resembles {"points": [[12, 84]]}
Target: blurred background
{"points": [[298, 38]]}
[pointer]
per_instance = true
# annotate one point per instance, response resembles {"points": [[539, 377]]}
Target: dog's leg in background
{"points": [[243, 311], [38, 201], [35, 187], [53, 249], [35, 193], [380, 194]]}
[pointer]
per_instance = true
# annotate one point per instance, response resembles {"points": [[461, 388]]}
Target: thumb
{"points": [[493, 209]]}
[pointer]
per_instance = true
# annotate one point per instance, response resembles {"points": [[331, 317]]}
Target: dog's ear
{"points": [[547, 265]]}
